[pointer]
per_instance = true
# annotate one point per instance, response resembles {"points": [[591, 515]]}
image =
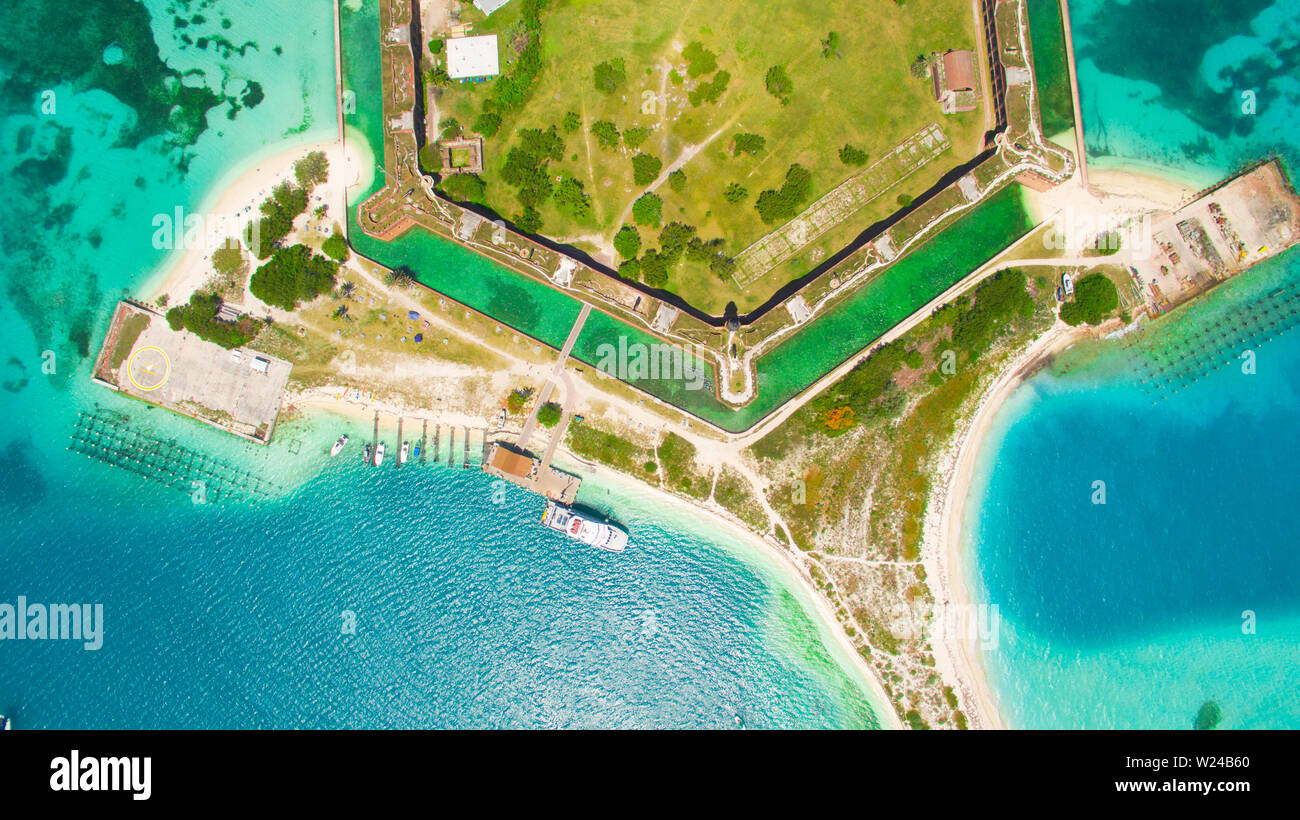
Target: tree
{"points": [[463, 187], [633, 137], [488, 123], [312, 169], [849, 155], [627, 242], [645, 168], [699, 60], [1095, 297], [292, 276], [548, 415], [654, 269], [734, 193], [784, 204], [673, 240], [228, 260], [747, 144], [336, 247], [648, 210], [609, 75], [200, 318], [605, 133], [710, 91], [435, 45], [779, 84], [572, 122], [530, 221], [920, 67], [677, 181], [571, 198], [431, 158]]}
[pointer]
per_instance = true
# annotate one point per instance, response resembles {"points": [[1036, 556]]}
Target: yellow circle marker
{"points": [[148, 368]]}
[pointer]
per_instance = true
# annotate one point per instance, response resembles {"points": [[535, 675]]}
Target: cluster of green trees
{"points": [[293, 275], [511, 90], [286, 204], [648, 210], [464, 188], [312, 170], [975, 322], [527, 168], [676, 241], [783, 204], [633, 137], [1095, 297], [200, 318]]}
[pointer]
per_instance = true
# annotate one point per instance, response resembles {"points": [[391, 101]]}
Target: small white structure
{"points": [[469, 57], [798, 308], [260, 365], [489, 6]]}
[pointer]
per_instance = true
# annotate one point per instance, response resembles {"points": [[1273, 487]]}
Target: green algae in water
{"points": [[1208, 716]]}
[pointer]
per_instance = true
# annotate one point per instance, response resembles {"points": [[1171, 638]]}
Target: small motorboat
{"points": [[415, 451], [365, 453], [379, 454], [404, 452], [339, 445]]}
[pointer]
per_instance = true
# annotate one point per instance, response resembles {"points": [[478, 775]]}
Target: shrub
{"points": [[431, 158], [530, 221], [677, 180], [710, 91], [734, 193], [463, 187], [572, 122], [488, 123]]}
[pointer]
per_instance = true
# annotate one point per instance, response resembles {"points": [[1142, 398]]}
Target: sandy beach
{"points": [[242, 191], [944, 553]]}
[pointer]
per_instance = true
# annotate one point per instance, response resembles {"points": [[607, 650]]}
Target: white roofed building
{"points": [[469, 57], [489, 6]]}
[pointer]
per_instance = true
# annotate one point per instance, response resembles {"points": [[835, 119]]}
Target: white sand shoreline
{"points": [[242, 191], [946, 553]]}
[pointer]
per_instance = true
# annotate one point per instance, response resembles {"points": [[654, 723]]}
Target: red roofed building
{"points": [[956, 83]]}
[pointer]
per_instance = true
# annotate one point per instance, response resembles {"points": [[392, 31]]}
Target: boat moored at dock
{"points": [[600, 534], [379, 454]]}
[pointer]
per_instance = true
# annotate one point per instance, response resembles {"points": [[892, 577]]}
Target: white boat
{"points": [[5, 724], [379, 454], [339, 445], [579, 527], [1068, 282], [406, 449]]}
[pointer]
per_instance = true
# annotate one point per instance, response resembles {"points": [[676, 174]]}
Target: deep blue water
{"points": [[1135, 612], [230, 614]]}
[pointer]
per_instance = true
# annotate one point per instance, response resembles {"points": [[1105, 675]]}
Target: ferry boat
{"points": [[379, 454], [579, 527], [339, 445], [404, 452]]}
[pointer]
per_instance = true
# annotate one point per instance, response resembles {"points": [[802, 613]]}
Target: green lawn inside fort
{"points": [[692, 130]]}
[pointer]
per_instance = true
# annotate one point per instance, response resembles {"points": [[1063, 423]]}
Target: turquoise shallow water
{"points": [[1135, 612], [225, 615]]}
